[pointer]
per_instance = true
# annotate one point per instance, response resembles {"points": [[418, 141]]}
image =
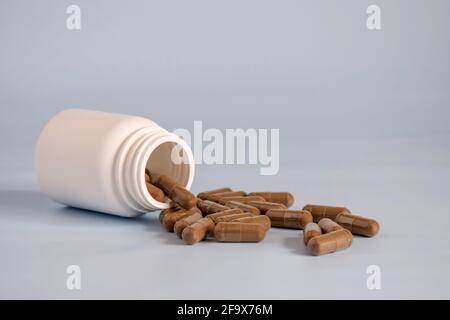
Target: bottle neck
{"points": [[161, 152]]}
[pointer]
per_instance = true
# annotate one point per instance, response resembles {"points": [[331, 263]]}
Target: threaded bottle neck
{"points": [[162, 153]]}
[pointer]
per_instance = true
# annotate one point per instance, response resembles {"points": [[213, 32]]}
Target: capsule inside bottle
{"points": [[176, 192]]}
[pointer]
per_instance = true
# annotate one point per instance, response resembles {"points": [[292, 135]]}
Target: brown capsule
{"points": [[209, 207], [311, 230], [319, 211], [244, 207], [171, 218], [202, 195], [293, 219], [198, 231], [183, 223], [161, 215], [239, 232], [148, 175], [155, 192], [285, 198], [234, 216], [264, 220], [173, 208], [217, 196], [220, 214], [264, 206], [176, 192], [327, 225], [358, 224], [241, 199], [330, 242]]}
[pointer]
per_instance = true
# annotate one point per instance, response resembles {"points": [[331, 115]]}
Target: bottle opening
{"points": [[161, 153], [171, 157]]}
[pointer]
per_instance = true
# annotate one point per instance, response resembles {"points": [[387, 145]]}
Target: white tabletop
{"points": [[136, 258]]}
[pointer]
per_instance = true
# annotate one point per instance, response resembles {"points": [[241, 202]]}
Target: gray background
{"points": [[363, 118]]}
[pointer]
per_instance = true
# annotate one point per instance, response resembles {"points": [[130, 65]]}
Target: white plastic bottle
{"points": [[96, 160]]}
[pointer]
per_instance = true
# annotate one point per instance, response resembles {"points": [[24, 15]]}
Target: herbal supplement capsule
{"points": [[161, 215], [264, 220], [311, 230], [319, 212], [202, 195], [241, 199], [183, 223], [239, 232], [209, 207], [358, 225], [155, 192], [264, 206], [244, 207], [176, 192], [327, 225], [228, 212], [293, 219], [148, 176], [285, 198], [330, 242], [217, 196], [197, 231], [171, 218], [174, 208], [232, 217]]}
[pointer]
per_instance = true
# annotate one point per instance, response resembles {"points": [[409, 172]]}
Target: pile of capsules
{"points": [[237, 216]]}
